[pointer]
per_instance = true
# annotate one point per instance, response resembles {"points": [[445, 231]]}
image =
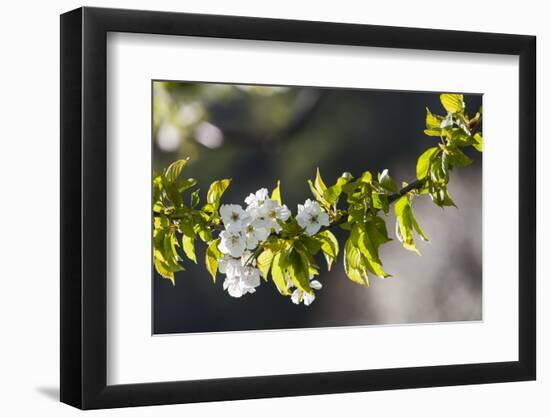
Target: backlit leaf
{"points": [[433, 122], [387, 182], [185, 183], [318, 196], [263, 262], [188, 244], [453, 103], [278, 273], [163, 270], [433, 132], [424, 162], [457, 158], [333, 192], [478, 139], [174, 170], [212, 257], [353, 263], [298, 270], [319, 183], [215, 192], [369, 250], [329, 246], [276, 194], [195, 198], [406, 223]]}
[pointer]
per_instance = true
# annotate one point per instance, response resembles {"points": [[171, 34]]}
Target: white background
{"points": [[133, 60], [29, 223]]}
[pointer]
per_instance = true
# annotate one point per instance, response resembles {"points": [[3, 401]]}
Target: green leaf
{"points": [[333, 192], [356, 212], [170, 251], [291, 227], [457, 158], [478, 142], [163, 270], [308, 244], [404, 227], [185, 227], [188, 244], [329, 246], [441, 197], [366, 177], [171, 192], [424, 162], [205, 234], [195, 198], [319, 183], [381, 202], [318, 196], [377, 231], [185, 183], [278, 273], [276, 194], [437, 173], [433, 122], [387, 182], [157, 194], [458, 137], [406, 223], [165, 256], [174, 170], [329, 243], [417, 228], [212, 257], [433, 132], [351, 187], [298, 270], [369, 250], [353, 262], [445, 166], [447, 200], [307, 247], [215, 192], [263, 262], [453, 103]]}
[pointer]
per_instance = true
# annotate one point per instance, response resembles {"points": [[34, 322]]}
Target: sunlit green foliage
{"points": [[359, 205]]}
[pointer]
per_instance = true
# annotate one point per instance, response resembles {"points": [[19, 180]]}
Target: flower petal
{"points": [[296, 296], [308, 298], [316, 285]]}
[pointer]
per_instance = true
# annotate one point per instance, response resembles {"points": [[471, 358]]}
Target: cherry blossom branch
{"points": [[415, 185]]}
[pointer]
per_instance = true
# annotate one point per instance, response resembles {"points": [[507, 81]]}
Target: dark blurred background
{"points": [[257, 135]]}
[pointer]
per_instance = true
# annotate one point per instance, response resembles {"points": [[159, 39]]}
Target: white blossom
{"points": [[257, 199], [274, 213], [233, 286], [250, 279], [269, 214], [234, 217], [242, 278], [265, 211], [229, 265], [244, 231], [254, 233], [231, 244], [310, 217], [299, 296]]}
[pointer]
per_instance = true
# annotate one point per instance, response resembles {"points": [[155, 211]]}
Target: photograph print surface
{"points": [[283, 207]]}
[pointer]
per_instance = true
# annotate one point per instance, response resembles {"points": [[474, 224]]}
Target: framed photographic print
{"points": [[244, 202]]}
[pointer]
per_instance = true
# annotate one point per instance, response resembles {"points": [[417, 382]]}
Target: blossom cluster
{"points": [[298, 296], [247, 228]]}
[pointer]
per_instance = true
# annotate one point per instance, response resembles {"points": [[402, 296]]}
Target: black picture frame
{"points": [[84, 207]]}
